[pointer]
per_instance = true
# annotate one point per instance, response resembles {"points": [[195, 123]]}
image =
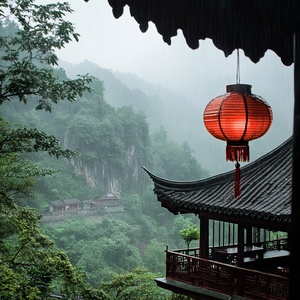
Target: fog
{"points": [[118, 44], [199, 75]]}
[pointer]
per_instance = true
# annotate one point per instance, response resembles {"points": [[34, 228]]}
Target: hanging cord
{"points": [[237, 165], [237, 78], [237, 177]]}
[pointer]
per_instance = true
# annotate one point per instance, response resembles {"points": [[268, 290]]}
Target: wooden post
{"points": [[249, 236], [204, 234], [295, 223], [240, 254]]}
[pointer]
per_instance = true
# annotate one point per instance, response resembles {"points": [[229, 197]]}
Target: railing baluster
{"points": [[224, 277]]}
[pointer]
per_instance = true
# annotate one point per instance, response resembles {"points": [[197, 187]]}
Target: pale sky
{"points": [[119, 45]]}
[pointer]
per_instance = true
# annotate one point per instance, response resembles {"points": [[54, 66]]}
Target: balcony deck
{"points": [[262, 277]]}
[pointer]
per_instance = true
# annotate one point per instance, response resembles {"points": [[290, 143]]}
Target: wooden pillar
{"points": [[249, 235], [295, 223], [240, 255], [204, 235]]}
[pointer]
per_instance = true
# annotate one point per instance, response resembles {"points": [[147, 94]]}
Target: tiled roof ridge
{"points": [[168, 184]]}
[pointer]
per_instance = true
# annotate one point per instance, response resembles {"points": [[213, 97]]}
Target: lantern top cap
{"points": [[239, 88]]}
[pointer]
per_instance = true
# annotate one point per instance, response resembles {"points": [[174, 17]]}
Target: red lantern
{"points": [[237, 117]]}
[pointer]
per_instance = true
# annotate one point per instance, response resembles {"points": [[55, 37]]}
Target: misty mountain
{"points": [[180, 112]]}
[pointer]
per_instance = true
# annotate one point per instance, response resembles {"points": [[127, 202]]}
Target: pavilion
{"points": [[244, 241]]}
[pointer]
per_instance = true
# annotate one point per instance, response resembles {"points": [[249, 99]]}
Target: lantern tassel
{"points": [[237, 180], [236, 152]]}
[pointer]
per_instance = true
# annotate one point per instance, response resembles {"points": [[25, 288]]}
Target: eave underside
{"points": [[254, 26], [267, 223]]}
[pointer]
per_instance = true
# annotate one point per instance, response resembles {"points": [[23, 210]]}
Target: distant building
{"points": [[61, 206], [109, 203], [89, 204], [57, 206]]}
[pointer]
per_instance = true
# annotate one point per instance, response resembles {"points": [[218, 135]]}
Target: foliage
{"points": [[138, 284], [180, 297], [17, 176], [30, 263], [112, 240], [154, 255], [172, 160], [15, 139], [30, 37], [190, 234], [123, 241], [26, 257], [106, 140], [30, 34]]}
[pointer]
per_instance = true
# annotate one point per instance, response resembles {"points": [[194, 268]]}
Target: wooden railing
{"points": [[224, 278], [278, 244]]}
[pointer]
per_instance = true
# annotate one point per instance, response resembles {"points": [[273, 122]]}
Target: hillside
{"points": [[112, 144], [182, 117], [161, 106]]}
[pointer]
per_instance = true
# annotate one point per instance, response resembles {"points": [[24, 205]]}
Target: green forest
{"points": [[60, 139]]}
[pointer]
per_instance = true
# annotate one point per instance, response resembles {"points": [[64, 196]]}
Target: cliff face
{"points": [[100, 172]]}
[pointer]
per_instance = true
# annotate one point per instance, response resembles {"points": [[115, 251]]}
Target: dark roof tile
{"points": [[266, 186]]}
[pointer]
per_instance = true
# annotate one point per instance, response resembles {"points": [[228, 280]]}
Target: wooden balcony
{"points": [[226, 279]]}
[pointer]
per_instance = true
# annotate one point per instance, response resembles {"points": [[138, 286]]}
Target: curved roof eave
{"points": [[265, 190]]}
